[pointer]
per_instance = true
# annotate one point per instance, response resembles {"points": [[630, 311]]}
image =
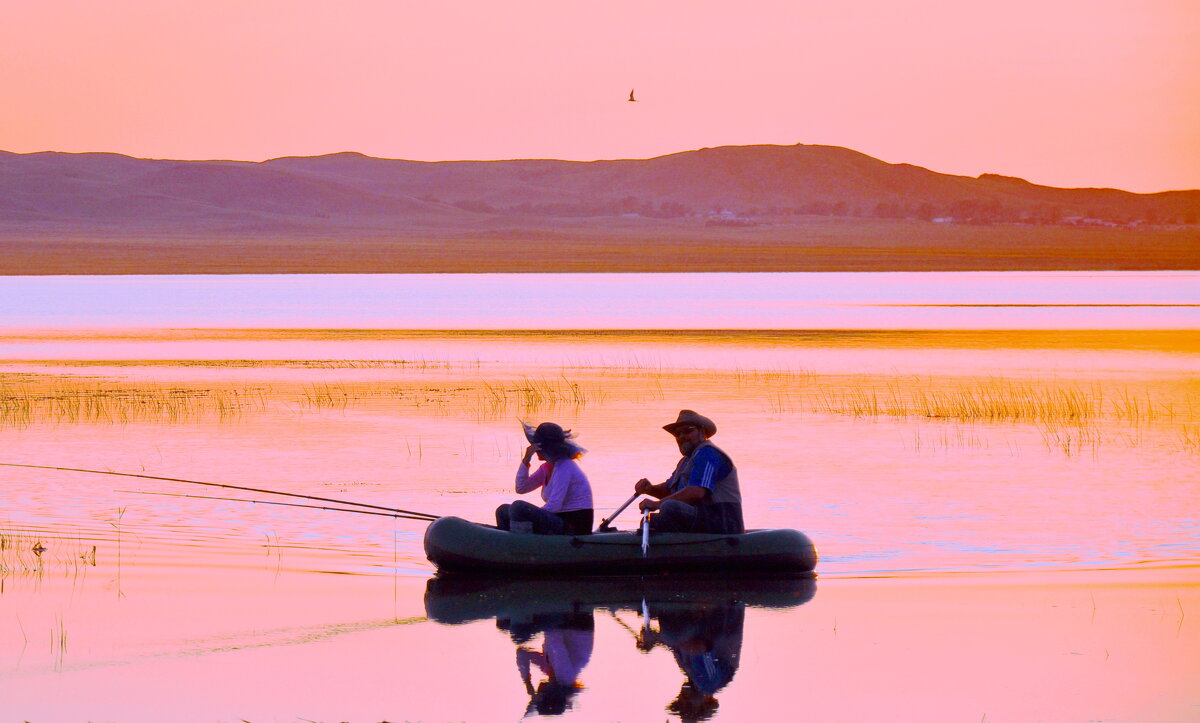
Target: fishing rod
{"points": [[415, 515], [268, 502]]}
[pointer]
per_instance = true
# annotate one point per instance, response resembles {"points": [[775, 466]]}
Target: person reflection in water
{"points": [[707, 644], [565, 488], [567, 641]]}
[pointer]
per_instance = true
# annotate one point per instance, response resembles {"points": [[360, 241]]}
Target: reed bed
{"points": [[943, 440], [995, 400], [479, 399], [532, 396], [775, 376], [1067, 414], [1071, 418], [31, 555], [68, 400], [1072, 441], [1189, 435], [325, 396]]}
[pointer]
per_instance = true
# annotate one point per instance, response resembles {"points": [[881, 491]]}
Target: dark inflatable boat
{"points": [[457, 545]]}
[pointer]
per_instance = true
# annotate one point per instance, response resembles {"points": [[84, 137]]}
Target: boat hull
{"points": [[457, 545]]}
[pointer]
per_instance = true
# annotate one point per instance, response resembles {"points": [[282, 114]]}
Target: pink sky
{"points": [[1062, 92]]}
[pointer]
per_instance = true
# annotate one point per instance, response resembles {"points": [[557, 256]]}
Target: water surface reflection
{"points": [[699, 620]]}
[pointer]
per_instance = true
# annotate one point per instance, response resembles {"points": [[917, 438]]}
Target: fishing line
{"points": [[411, 513], [268, 502]]}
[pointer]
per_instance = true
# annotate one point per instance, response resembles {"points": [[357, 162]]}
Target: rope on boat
{"points": [[411, 513], [731, 541]]}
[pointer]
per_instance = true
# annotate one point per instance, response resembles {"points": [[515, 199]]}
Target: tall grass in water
{"points": [[28, 555], [1071, 440], [1190, 436], [31, 400], [326, 395], [68, 400], [1071, 418], [529, 396], [474, 398], [997, 401]]}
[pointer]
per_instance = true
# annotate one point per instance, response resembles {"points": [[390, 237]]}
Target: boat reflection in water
{"points": [[698, 619]]}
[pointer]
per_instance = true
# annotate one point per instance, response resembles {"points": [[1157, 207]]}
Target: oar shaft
{"points": [[422, 515], [605, 522]]}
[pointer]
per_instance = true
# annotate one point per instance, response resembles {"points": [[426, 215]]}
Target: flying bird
{"points": [[631, 98]]}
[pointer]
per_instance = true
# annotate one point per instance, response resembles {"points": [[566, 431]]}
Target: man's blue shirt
{"points": [[708, 466]]}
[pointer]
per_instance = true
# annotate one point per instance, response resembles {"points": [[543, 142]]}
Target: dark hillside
{"points": [[750, 207]]}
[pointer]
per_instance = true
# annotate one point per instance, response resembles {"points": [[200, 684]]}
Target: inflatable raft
{"points": [[457, 545]]}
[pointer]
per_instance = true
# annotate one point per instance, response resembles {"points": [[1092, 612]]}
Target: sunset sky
{"points": [[1062, 92]]}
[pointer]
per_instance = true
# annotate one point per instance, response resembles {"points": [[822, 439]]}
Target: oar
{"points": [[268, 502], [421, 515], [645, 537], [604, 524]]}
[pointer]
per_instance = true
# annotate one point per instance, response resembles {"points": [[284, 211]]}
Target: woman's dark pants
{"points": [[520, 516]]}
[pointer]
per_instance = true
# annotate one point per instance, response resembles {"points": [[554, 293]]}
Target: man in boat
{"points": [[565, 488], [702, 494]]}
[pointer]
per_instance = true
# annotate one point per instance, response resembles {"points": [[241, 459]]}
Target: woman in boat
{"points": [[565, 488]]}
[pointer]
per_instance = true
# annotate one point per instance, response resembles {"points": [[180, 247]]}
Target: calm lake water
{"points": [[1009, 521], [952, 300]]}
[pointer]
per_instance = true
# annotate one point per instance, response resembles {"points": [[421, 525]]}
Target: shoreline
{"points": [[821, 245]]}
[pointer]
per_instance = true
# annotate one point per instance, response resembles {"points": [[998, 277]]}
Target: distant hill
{"points": [[348, 190], [83, 197]]}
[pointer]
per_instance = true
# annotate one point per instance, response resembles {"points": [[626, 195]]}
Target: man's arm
{"points": [[643, 487], [707, 467], [690, 495]]}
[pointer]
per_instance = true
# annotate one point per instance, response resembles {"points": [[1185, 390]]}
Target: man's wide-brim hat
{"points": [[550, 437], [688, 417]]}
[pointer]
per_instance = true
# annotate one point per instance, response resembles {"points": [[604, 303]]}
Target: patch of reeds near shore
{"points": [[481, 399], [478, 399], [329, 396], [472, 398], [775, 376], [32, 400], [995, 400], [23, 554], [1070, 415], [1071, 418], [1190, 437], [531, 396]]}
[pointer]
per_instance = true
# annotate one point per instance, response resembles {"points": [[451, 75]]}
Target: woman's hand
{"points": [[642, 486], [529, 452]]}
